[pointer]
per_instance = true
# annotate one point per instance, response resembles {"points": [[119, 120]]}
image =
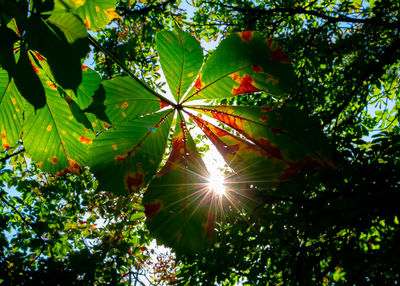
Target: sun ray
{"points": [[216, 183]]}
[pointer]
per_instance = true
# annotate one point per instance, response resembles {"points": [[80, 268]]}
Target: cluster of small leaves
{"points": [[62, 228]]}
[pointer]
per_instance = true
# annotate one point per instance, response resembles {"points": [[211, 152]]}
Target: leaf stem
{"points": [[97, 45]]}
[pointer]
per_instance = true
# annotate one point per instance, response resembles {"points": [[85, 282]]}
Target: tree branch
{"points": [[125, 11], [12, 155], [374, 69], [300, 10], [23, 219]]}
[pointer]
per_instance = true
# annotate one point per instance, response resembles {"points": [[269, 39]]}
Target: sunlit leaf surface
{"points": [[181, 58], [52, 136], [120, 128], [283, 133], [244, 62], [96, 14], [11, 108], [126, 157], [178, 205]]}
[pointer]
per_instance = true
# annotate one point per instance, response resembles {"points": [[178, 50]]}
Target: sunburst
{"points": [[216, 183]]}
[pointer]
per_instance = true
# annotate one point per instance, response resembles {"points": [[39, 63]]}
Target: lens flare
{"points": [[216, 183]]}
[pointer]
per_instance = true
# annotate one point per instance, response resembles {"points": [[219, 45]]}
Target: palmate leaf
{"points": [[181, 58], [244, 62], [125, 155], [11, 108], [179, 210]]}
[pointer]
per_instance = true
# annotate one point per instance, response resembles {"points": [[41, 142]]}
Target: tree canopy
{"points": [[97, 161]]}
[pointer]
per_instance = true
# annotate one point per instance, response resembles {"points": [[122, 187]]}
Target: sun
{"points": [[216, 183]]}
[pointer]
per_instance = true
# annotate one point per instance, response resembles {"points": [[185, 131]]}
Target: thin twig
{"points": [[145, 10], [300, 10]]}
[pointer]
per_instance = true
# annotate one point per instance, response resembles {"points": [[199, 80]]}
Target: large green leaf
{"points": [[11, 107], [126, 157], [244, 62], [267, 147], [179, 209], [52, 136], [84, 97], [91, 82], [181, 58], [73, 4]]}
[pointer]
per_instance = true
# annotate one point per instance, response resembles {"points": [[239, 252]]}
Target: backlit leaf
{"points": [[178, 206], [74, 4], [27, 81], [84, 96], [252, 164], [244, 62], [52, 136], [49, 40], [126, 157], [123, 99], [8, 38], [284, 133], [70, 24], [181, 58], [96, 14], [11, 108]]}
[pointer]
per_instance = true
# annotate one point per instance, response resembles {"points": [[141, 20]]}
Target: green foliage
{"points": [[63, 228], [279, 223]]}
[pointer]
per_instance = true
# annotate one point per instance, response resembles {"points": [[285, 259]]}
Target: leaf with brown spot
{"points": [[53, 136], [251, 163], [285, 133], [126, 157], [97, 13], [122, 99], [244, 62], [11, 109], [179, 208]]}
